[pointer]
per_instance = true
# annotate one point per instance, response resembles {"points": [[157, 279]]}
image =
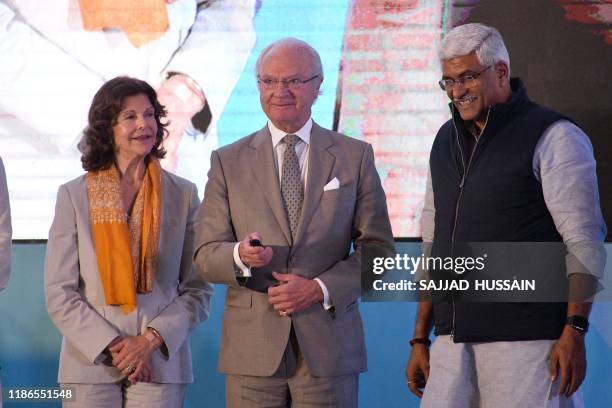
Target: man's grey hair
{"points": [[293, 42], [483, 40]]}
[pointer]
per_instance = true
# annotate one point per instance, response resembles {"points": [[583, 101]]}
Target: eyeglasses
{"points": [[291, 84], [465, 81]]}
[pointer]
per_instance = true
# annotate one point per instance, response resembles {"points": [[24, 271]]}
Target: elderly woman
{"points": [[119, 280]]}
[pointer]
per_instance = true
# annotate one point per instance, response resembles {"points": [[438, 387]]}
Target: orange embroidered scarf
{"points": [[126, 250]]}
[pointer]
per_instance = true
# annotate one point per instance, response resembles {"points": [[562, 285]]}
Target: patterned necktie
{"points": [[291, 183]]}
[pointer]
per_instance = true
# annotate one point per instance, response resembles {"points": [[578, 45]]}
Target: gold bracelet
{"points": [[155, 336]]}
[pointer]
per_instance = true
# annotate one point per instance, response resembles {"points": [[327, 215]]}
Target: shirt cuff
{"points": [[104, 354], [244, 271], [101, 357], [588, 258], [326, 302]]}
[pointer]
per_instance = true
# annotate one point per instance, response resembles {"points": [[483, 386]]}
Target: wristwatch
{"points": [[579, 323]]}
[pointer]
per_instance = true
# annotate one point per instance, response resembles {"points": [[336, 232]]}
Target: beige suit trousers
{"points": [[126, 395], [292, 386]]}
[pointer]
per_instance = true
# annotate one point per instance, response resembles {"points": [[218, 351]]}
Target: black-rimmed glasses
{"points": [[292, 84], [465, 81]]}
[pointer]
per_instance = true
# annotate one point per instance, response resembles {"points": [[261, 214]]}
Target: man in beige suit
{"points": [[292, 333]]}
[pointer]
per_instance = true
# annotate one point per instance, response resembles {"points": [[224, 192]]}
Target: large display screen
{"points": [[379, 66], [380, 69]]}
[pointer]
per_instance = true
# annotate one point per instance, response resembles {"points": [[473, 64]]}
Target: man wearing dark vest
{"points": [[505, 169]]}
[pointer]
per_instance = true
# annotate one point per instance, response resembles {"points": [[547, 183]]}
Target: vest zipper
{"points": [[465, 173]]}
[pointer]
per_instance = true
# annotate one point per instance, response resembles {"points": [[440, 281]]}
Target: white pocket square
{"points": [[332, 185]]}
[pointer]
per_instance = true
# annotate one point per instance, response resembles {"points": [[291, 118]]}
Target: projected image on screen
{"points": [[57, 53], [388, 96], [200, 58], [380, 65]]}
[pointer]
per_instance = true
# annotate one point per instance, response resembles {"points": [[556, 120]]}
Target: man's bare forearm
{"points": [[582, 288], [424, 319], [579, 308]]}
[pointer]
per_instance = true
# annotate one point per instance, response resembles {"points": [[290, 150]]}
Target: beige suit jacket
{"points": [[75, 296], [242, 196]]}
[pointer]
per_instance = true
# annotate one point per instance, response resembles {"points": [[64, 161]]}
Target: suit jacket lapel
{"points": [[266, 174], [320, 164]]}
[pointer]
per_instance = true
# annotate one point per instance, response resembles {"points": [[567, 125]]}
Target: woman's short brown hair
{"points": [[97, 144]]}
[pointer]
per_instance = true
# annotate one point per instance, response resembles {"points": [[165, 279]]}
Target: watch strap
{"points": [[420, 340], [579, 323]]}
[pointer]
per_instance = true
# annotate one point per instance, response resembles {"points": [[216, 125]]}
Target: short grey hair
{"points": [[293, 42], [483, 40]]}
